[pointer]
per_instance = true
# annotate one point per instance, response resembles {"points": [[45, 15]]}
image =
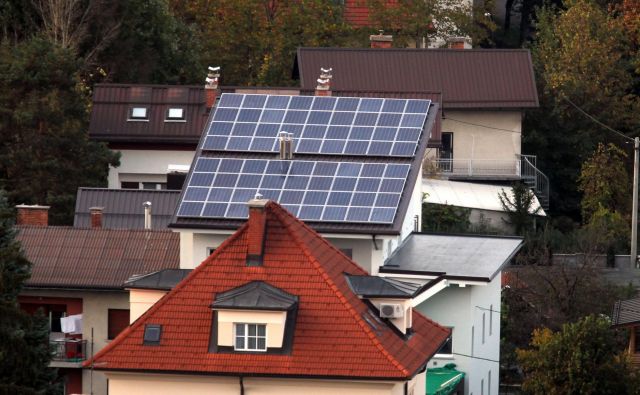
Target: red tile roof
{"points": [[335, 333], [65, 257]]}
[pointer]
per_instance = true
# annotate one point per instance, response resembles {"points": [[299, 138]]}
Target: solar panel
{"points": [[320, 125], [310, 190]]}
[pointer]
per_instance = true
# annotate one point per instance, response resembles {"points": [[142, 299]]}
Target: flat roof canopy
{"points": [[469, 257], [470, 195]]}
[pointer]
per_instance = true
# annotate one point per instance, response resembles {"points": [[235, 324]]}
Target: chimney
{"points": [[147, 215], [96, 216], [324, 82], [211, 86], [459, 43], [286, 145], [32, 215], [381, 40], [256, 232]]}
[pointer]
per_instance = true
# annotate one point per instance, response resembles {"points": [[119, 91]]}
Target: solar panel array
{"points": [[320, 125], [310, 190]]}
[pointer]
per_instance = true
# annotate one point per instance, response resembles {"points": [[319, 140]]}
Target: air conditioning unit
{"points": [[388, 310]]}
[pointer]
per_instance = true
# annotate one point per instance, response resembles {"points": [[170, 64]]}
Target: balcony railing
{"points": [[69, 350], [521, 167], [477, 168]]}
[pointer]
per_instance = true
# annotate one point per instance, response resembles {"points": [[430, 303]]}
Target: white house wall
{"points": [[462, 309], [147, 165], [479, 142]]}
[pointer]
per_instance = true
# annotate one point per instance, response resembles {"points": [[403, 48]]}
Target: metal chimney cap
{"points": [[146, 204]]}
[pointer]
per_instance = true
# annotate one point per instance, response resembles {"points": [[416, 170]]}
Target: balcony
{"points": [[521, 167], [68, 352]]}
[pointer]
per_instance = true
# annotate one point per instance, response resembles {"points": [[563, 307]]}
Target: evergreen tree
{"points": [[45, 151], [24, 340]]}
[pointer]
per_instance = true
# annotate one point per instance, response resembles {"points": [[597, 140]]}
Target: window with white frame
{"points": [[250, 337], [175, 114]]}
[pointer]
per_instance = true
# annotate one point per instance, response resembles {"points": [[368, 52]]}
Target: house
{"points": [[77, 281], [125, 208], [626, 314], [352, 177], [273, 310], [155, 128], [484, 95], [465, 295]]}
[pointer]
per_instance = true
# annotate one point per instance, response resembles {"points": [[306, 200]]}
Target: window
{"points": [[482, 387], [250, 337], [447, 348], [446, 152], [489, 383], [129, 185], [138, 113], [210, 250], [118, 320], [152, 333], [175, 114]]}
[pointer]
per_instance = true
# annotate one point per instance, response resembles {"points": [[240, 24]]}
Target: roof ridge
{"points": [[374, 339], [138, 322]]}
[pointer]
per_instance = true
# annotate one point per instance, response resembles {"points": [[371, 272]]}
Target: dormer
{"points": [[254, 318]]}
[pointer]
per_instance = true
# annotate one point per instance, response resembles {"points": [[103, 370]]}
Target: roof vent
{"points": [[147, 214], [391, 310]]}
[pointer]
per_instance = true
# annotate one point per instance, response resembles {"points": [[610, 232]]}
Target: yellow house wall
{"points": [[141, 300], [158, 384]]}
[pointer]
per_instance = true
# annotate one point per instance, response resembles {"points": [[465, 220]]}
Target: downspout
{"points": [[375, 244], [406, 388], [241, 385]]}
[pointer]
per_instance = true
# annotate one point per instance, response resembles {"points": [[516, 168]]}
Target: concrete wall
{"points": [[147, 165], [476, 142], [95, 306], [463, 308], [156, 384]]}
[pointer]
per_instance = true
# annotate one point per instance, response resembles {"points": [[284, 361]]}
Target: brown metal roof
{"points": [[122, 208], [626, 313], [469, 78], [65, 257], [112, 103]]}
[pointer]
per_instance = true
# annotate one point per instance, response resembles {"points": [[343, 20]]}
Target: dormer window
{"points": [[138, 113], [250, 337], [255, 317], [175, 114]]}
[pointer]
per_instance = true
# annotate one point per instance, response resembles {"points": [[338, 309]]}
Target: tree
{"points": [[582, 358], [519, 207], [45, 152], [24, 340], [255, 41], [590, 67], [414, 22], [445, 218]]}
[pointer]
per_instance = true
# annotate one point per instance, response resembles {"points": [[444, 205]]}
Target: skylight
{"points": [[138, 113], [175, 114], [152, 333]]}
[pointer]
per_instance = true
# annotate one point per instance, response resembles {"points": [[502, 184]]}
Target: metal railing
{"points": [[478, 168], [536, 179], [69, 350]]}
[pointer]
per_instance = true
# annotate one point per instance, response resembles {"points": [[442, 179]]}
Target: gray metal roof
{"points": [[123, 207], [626, 312], [256, 295], [454, 256], [372, 286], [162, 280]]}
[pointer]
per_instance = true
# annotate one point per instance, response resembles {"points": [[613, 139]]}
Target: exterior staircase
{"points": [[535, 179]]}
